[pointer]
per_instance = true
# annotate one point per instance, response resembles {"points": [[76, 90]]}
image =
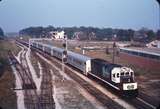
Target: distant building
{"points": [[92, 36], [139, 36], [83, 36], [80, 35], [148, 58], [153, 44], [57, 35]]}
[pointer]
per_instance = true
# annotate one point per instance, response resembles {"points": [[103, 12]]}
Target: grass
{"points": [[8, 98]]}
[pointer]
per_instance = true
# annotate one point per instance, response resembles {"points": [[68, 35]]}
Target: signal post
{"points": [[64, 55]]}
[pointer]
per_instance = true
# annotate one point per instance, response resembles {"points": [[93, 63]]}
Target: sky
{"points": [[135, 14]]}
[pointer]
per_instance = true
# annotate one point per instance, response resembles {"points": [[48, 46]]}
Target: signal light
{"points": [[64, 56], [64, 45], [64, 52]]}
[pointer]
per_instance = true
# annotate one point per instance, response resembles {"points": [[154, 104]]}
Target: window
{"points": [[117, 75], [122, 74], [135, 53], [114, 75], [127, 73], [69, 58], [153, 57], [105, 71], [143, 54], [77, 61]]}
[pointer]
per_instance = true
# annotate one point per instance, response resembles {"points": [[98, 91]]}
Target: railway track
{"points": [[45, 98], [35, 99], [140, 102], [28, 86]]}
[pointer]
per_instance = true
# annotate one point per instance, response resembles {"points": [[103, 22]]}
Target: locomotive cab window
{"points": [[127, 73], [114, 75], [105, 71], [122, 74], [117, 75]]}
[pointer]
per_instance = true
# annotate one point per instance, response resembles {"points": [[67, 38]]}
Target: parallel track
{"points": [[28, 86], [45, 98]]}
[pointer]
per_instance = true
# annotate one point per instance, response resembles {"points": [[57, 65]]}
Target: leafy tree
{"points": [[150, 35], [1, 33], [158, 35], [100, 33], [130, 34]]}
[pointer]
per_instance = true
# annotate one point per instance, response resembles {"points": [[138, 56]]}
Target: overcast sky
{"points": [[19, 14]]}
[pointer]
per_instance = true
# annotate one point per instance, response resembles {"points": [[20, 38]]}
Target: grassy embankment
{"points": [[7, 79]]}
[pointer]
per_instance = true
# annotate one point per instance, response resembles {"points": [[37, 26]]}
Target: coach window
{"points": [[153, 57], [135, 53], [117, 75]]}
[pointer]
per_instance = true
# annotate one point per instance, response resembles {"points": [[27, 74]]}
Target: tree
{"points": [[158, 35], [130, 34], [1, 33]]}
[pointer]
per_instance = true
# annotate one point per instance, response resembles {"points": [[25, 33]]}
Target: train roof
{"points": [[76, 55], [150, 51], [102, 61], [57, 49], [79, 56], [51, 46]]}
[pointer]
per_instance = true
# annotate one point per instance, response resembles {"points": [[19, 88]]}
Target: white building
{"points": [[158, 45], [153, 44], [57, 35]]}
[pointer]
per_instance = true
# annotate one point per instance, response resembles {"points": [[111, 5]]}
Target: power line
{"points": [[159, 11]]}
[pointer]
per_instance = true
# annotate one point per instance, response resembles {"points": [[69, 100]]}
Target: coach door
{"points": [[88, 66]]}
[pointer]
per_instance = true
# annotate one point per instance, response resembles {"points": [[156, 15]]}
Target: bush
{"points": [[3, 63]]}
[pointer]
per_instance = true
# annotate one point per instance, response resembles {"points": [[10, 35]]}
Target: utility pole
{"points": [[114, 48], [29, 47], [64, 55], [159, 11]]}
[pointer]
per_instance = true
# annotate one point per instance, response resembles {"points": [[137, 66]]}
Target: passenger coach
{"points": [[81, 62]]}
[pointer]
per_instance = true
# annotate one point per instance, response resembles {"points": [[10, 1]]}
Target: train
{"points": [[120, 78]]}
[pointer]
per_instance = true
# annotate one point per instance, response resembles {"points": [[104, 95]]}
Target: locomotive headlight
{"points": [[129, 86]]}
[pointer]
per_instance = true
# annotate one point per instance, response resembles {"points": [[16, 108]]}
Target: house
{"points": [[153, 44], [57, 35], [140, 36], [80, 35], [84, 36]]}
